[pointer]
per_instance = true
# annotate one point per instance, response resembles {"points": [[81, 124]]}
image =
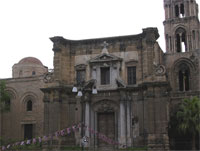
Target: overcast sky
{"points": [[26, 25]]}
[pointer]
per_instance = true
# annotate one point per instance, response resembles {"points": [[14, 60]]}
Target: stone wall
{"points": [[21, 90]]}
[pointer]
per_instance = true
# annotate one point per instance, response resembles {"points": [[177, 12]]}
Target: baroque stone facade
{"points": [[138, 85]]}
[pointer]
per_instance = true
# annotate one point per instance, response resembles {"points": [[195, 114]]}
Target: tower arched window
{"points": [[184, 79], [177, 11], [181, 41], [182, 12], [29, 105]]}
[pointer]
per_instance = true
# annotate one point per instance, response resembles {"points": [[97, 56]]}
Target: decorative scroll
{"points": [[160, 70]]}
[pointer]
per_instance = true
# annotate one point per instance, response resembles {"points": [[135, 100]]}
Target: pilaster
{"points": [[87, 100], [122, 136], [128, 108]]}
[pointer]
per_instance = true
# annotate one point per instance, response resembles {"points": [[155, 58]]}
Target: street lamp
{"points": [[80, 88]]}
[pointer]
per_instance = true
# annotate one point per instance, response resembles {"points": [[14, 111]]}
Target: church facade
{"points": [[130, 77], [124, 87], [138, 85]]}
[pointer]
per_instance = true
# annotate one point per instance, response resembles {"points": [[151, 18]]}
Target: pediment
{"points": [[105, 58]]}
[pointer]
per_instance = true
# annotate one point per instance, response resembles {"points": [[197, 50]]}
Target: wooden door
{"points": [[106, 126]]}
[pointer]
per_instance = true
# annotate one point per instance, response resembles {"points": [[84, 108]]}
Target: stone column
{"points": [[122, 124], [46, 101], [78, 119], [87, 117], [128, 123], [173, 11]]}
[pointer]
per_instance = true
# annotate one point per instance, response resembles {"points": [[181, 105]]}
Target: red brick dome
{"points": [[30, 60]]}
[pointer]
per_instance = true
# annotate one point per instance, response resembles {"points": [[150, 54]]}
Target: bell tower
{"points": [[182, 28]]}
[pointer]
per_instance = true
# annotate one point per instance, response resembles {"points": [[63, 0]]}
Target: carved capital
{"points": [[123, 96]]}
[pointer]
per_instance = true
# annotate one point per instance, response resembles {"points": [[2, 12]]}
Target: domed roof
{"points": [[30, 60]]}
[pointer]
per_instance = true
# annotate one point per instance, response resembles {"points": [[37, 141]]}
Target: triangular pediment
{"points": [[105, 58]]}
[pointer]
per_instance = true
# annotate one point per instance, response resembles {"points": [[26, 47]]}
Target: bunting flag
{"points": [[22, 143], [34, 141], [8, 146], [68, 130], [28, 142], [79, 125], [57, 134], [39, 139], [62, 133], [3, 148], [74, 128]]}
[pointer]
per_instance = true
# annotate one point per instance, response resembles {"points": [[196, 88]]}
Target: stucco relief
{"points": [[160, 70], [105, 106]]}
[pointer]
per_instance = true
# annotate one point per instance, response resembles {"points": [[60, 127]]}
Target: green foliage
{"points": [[4, 97], [27, 147], [70, 148], [188, 116], [1, 141], [136, 148]]}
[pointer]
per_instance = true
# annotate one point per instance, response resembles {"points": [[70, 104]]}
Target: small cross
{"points": [[105, 44], [105, 50]]}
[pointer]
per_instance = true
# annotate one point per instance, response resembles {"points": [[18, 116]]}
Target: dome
{"points": [[30, 60]]}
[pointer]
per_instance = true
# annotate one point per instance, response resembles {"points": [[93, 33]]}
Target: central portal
{"points": [[106, 126]]}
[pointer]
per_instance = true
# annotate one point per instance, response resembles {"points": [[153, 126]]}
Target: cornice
{"points": [[146, 31]]}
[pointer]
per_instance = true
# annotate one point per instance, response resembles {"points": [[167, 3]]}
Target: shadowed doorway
{"points": [[106, 126], [28, 131]]}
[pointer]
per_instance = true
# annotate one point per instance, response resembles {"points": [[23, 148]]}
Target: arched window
{"points": [[20, 73], [182, 13], [184, 79], [29, 105], [177, 11], [7, 104], [178, 43], [181, 41]]}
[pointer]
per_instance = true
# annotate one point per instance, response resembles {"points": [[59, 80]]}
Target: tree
{"points": [[188, 117], [4, 97], [4, 103]]}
